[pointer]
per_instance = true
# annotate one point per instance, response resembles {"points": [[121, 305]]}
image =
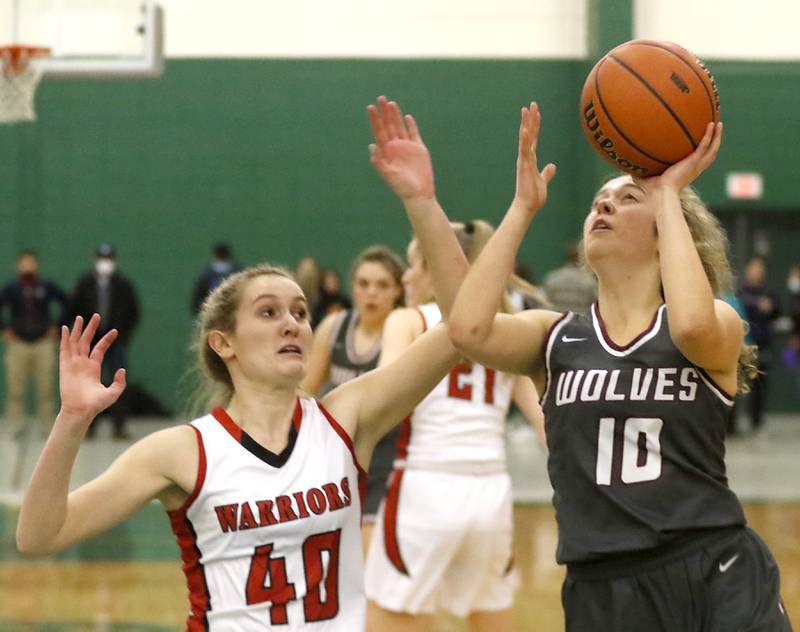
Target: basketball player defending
{"points": [[263, 494]]}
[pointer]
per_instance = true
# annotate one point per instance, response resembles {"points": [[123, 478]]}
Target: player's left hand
{"points": [[686, 171], [531, 190]]}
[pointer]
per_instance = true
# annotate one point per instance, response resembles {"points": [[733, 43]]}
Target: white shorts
{"points": [[443, 542]]}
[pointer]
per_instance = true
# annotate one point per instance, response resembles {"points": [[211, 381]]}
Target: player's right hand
{"points": [[531, 189], [83, 395]]}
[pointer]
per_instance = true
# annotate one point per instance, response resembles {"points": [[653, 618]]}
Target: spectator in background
{"points": [[731, 299], [793, 287], [523, 294], [331, 297], [791, 352], [109, 293], [308, 278], [222, 265], [30, 334], [571, 287], [761, 306]]}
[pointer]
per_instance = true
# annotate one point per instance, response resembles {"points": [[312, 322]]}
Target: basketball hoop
{"points": [[18, 82]]}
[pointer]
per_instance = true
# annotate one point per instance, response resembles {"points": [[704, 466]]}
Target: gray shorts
{"points": [[730, 581]]}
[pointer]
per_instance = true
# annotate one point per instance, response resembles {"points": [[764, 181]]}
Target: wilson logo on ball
{"points": [[604, 144], [679, 82]]}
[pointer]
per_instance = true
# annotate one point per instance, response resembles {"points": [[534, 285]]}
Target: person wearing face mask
{"points": [[107, 292], [31, 308], [222, 265]]}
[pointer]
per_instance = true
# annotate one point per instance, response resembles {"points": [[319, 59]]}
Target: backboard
{"points": [[88, 38]]}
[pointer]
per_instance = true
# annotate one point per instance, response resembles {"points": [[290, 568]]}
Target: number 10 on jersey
{"points": [[641, 449]]}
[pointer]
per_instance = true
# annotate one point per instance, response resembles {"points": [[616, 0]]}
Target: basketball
{"points": [[646, 104]]}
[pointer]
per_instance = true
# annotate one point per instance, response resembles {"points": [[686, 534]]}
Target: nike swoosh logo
{"points": [[568, 339], [724, 567]]}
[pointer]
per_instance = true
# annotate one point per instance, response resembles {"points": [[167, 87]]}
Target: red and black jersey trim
{"points": [[255, 448], [199, 596], [362, 474], [403, 439], [424, 321], [390, 541]]}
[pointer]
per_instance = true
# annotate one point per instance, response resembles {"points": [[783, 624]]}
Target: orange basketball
{"points": [[646, 105]]}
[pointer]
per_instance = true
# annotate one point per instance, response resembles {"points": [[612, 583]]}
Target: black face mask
{"points": [[27, 277]]}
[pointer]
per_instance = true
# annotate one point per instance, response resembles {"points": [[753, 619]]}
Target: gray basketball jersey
{"points": [[346, 364], [636, 437]]}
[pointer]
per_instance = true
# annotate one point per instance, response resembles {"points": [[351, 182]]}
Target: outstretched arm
{"points": [[400, 156], [707, 331], [509, 343], [51, 518], [370, 405]]}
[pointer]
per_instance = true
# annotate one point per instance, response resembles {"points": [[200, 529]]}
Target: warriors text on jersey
{"points": [[636, 437], [273, 539], [460, 425]]}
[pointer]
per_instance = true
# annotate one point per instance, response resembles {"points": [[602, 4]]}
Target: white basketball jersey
{"points": [[273, 540], [460, 425]]}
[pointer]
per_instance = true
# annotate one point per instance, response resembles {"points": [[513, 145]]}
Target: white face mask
{"points": [[105, 267], [794, 285]]}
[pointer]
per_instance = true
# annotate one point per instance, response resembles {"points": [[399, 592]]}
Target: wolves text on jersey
{"points": [[285, 508], [664, 384]]}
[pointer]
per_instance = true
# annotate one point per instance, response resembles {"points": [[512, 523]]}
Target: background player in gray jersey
{"points": [[348, 343], [651, 243]]}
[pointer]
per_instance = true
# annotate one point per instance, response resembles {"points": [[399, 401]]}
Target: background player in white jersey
{"points": [[636, 399], [443, 537], [261, 494], [348, 343]]}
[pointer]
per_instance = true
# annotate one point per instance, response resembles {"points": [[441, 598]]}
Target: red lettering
{"points": [[285, 511], [246, 518], [348, 497], [226, 514], [334, 500], [279, 591], [321, 566], [265, 515], [301, 503], [314, 607], [316, 500], [489, 389], [455, 388], [459, 388]]}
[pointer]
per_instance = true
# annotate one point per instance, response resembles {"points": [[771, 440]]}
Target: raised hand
{"points": [[398, 153], [531, 191], [686, 171], [82, 393]]}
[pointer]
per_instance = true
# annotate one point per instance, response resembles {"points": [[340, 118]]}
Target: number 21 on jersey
{"points": [[460, 387], [641, 449]]}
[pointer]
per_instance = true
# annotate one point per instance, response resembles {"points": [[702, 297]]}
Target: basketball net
{"points": [[18, 82]]}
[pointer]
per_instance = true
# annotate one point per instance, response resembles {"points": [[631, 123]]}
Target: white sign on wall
{"points": [[744, 186]]}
